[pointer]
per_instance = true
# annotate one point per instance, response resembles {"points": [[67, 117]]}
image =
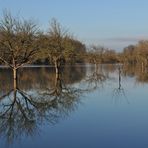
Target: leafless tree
{"points": [[18, 41]]}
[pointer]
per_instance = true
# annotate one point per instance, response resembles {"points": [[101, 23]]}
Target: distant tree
{"points": [[18, 41], [141, 52], [95, 54], [128, 55], [136, 54], [110, 56]]}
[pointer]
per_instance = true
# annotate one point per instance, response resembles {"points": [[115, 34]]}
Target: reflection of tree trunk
{"points": [[57, 66], [15, 91], [58, 84], [14, 78], [119, 78], [96, 68]]}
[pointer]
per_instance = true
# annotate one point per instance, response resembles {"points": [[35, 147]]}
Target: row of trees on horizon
{"points": [[22, 42]]}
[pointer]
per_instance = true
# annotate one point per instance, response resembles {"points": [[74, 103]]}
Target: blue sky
{"points": [[110, 23]]}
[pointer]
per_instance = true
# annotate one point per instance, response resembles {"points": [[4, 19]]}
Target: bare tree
{"points": [[57, 44], [18, 41], [95, 55]]}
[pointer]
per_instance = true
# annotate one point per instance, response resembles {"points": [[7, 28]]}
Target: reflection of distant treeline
{"points": [[137, 72], [40, 77], [43, 77], [140, 74]]}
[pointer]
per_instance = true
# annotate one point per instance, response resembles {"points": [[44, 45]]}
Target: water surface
{"points": [[82, 107]]}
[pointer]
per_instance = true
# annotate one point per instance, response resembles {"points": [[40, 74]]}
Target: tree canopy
{"points": [[18, 41]]}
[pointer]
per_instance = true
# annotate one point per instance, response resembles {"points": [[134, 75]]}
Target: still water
{"points": [[84, 106]]}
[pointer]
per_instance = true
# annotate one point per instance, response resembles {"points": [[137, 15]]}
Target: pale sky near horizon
{"points": [[110, 23]]}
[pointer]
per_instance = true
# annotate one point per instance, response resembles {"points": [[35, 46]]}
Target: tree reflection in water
{"points": [[136, 71], [39, 96], [96, 79], [119, 92], [23, 111]]}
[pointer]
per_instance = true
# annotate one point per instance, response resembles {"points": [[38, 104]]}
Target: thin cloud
{"points": [[117, 43], [126, 39]]}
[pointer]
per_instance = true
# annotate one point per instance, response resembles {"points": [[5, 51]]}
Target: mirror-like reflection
{"points": [[119, 92], [39, 96], [95, 78]]}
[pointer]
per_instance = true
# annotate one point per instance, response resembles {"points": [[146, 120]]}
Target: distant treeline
{"points": [[23, 42]]}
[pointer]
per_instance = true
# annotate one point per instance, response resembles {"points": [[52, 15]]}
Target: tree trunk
{"points": [[142, 67]]}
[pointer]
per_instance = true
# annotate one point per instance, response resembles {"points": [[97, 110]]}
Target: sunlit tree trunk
{"points": [[14, 82], [142, 67], [14, 73]]}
